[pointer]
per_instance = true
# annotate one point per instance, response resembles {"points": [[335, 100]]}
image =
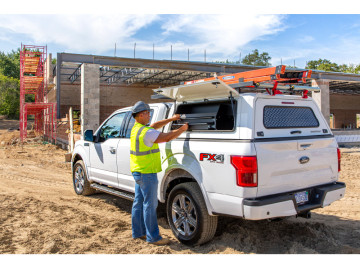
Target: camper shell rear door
{"points": [[209, 90]]}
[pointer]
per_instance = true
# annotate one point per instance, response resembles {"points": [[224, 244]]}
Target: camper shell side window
{"points": [[207, 116]]}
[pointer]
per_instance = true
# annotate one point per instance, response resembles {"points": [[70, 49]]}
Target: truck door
{"points": [[125, 178], [103, 167]]}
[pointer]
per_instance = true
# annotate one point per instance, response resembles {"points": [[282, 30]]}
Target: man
{"points": [[145, 163]]}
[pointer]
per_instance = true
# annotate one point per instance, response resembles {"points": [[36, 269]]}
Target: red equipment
{"points": [[33, 82]]}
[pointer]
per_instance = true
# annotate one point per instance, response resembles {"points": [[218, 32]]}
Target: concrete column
{"points": [[90, 97], [322, 99], [49, 70]]}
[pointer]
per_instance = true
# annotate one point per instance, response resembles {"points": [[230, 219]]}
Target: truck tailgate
{"points": [[293, 152], [280, 168]]}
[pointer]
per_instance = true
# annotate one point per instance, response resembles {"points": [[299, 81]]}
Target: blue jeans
{"points": [[143, 214]]}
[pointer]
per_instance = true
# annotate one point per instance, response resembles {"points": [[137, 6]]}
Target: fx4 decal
{"points": [[217, 158]]}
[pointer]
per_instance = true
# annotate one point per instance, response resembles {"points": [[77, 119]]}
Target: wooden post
{"points": [[71, 130]]}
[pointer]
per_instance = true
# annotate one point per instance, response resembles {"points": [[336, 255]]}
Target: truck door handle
{"points": [[305, 145], [295, 132], [112, 150]]}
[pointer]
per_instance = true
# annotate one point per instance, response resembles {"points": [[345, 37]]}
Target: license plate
{"points": [[302, 197]]}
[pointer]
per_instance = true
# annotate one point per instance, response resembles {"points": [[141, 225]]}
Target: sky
{"points": [[226, 30]]}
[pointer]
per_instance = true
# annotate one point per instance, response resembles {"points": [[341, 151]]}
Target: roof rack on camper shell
{"points": [[273, 80]]}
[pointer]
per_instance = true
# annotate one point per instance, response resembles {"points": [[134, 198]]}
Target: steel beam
{"points": [[105, 70], [152, 76], [155, 64], [190, 66], [124, 74], [76, 74], [335, 76]]}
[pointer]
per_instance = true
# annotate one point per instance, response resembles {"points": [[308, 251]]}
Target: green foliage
{"points": [[9, 96], [327, 65], [10, 84], [257, 59], [53, 61], [351, 68], [254, 59], [322, 64], [10, 64], [227, 62]]}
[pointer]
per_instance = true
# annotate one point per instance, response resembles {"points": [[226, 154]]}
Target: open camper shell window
{"points": [[207, 116]]}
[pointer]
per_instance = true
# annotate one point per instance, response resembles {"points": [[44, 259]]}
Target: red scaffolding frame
{"points": [[33, 82]]}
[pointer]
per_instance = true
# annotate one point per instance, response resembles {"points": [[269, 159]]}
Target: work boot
{"points": [[141, 237], [162, 242]]}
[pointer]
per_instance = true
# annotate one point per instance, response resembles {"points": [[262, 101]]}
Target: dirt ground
{"points": [[41, 214]]}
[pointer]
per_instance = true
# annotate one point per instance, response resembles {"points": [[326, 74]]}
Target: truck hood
{"points": [[213, 89]]}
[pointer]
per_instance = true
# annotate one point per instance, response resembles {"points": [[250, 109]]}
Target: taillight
{"points": [[339, 159], [246, 170]]}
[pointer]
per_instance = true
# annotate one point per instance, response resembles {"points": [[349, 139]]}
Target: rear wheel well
{"points": [[175, 178]]}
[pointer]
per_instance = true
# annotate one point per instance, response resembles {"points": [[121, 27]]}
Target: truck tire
{"points": [[188, 216], [80, 180]]}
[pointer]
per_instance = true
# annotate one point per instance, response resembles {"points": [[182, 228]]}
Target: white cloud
{"points": [[224, 33], [77, 33]]}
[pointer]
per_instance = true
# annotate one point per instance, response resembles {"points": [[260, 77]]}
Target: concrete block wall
{"points": [[344, 108], [112, 97], [344, 118]]}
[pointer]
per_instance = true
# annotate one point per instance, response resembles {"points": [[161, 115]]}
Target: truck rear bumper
{"points": [[284, 204]]}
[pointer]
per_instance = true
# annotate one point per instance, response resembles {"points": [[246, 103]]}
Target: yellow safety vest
{"points": [[143, 159]]}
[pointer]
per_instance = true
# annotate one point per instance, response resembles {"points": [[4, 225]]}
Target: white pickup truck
{"points": [[249, 155]]}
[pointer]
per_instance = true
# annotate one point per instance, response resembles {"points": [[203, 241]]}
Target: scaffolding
{"points": [[33, 82]]}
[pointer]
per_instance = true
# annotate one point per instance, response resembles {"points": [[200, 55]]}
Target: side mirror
{"points": [[89, 135]]}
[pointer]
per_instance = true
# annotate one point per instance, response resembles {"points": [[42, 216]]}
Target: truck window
{"points": [[289, 117], [132, 123], [111, 128], [207, 116]]}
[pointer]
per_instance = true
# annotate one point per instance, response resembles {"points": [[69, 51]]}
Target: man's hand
{"points": [[175, 117], [166, 137], [164, 122], [184, 127]]}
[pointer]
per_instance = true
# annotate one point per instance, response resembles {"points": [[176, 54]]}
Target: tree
{"points": [[323, 64], [10, 64], [9, 96], [10, 83], [227, 62], [256, 59], [351, 68]]}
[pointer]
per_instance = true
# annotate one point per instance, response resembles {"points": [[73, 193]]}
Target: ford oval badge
{"points": [[304, 160]]}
